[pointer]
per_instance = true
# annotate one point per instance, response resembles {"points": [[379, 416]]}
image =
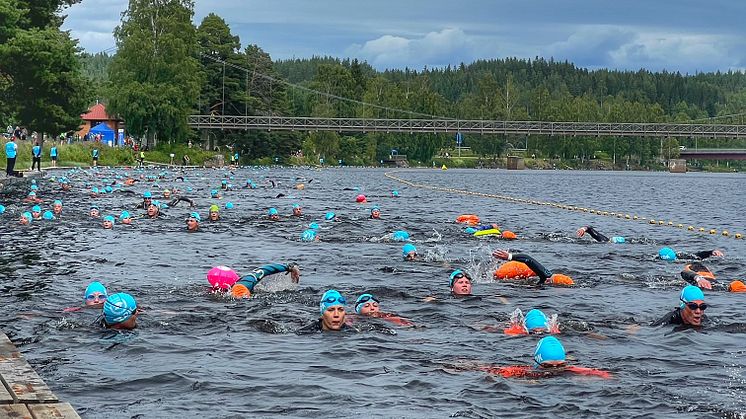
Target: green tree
{"points": [[42, 84], [155, 76]]}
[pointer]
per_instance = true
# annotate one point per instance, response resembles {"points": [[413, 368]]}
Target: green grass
{"points": [[80, 155]]}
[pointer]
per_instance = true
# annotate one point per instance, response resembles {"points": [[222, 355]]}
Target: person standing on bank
{"points": [[11, 150], [36, 157]]}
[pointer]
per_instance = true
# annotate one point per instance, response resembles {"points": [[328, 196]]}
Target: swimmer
{"points": [[108, 222], [147, 199], [332, 308], [666, 253], [244, 287], [375, 213], [57, 207], [193, 221], [297, 210], [273, 214], [166, 194], [696, 273], [125, 218], [544, 274], [535, 322], [36, 212], [331, 216], [409, 252], [153, 210], [95, 295], [460, 283], [691, 309], [214, 212], [26, 218], [120, 312], [598, 236], [215, 194], [31, 197], [368, 305], [178, 199], [549, 360], [94, 211]]}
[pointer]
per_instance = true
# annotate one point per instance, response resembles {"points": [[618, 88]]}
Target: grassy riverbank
{"points": [[80, 155]]}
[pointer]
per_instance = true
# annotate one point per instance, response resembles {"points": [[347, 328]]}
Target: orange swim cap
{"points": [[559, 279], [513, 270], [737, 286], [509, 235], [240, 291]]}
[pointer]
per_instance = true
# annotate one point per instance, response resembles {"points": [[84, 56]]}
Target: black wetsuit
{"points": [[674, 317], [695, 256], [596, 235], [539, 269], [179, 199], [694, 269]]}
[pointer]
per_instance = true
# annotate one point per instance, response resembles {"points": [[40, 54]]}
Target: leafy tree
{"points": [[155, 76]]}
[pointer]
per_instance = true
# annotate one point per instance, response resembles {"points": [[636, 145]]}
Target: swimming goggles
{"points": [[694, 306], [365, 298], [332, 300], [100, 297]]}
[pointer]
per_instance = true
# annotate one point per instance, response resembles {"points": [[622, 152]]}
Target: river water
{"points": [[197, 354]]}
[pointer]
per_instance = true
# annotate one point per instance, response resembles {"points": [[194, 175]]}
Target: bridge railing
{"points": [[621, 129]]}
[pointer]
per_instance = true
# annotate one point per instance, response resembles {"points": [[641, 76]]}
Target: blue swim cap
{"points": [[361, 300], [48, 215], [224, 182], [34, 187], [535, 319], [375, 209], [470, 230], [36, 208], [395, 193], [32, 193], [124, 214], [196, 216], [667, 253], [189, 189], [331, 298], [214, 193], [27, 215], [249, 182], [94, 206], [109, 218], [296, 206], [2, 209], [314, 226], [119, 307], [57, 202], [400, 236], [108, 189], [452, 277], [690, 293], [618, 240], [407, 249], [308, 236], [273, 211], [33, 181], [147, 194], [95, 286], [329, 216], [549, 349], [229, 205]]}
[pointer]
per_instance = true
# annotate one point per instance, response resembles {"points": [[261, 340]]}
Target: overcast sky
{"points": [[676, 35]]}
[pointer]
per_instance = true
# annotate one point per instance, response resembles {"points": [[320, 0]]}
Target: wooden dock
{"points": [[23, 394]]}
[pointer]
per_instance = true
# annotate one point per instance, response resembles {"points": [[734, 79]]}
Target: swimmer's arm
{"points": [[708, 253], [539, 269], [667, 319], [275, 268], [695, 279], [596, 235]]}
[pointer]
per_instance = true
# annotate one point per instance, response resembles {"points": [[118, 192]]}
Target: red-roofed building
{"points": [[95, 115]]}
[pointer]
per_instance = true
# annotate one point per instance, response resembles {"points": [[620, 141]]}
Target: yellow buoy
{"points": [[725, 233], [713, 231], [690, 228], [670, 223], [701, 230], [606, 212], [628, 216], [652, 221], [661, 222], [680, 225], [635, 217], [738, 235], [443, 167]]}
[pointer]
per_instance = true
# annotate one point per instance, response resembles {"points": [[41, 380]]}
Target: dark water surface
{"points": [[196, 354]]}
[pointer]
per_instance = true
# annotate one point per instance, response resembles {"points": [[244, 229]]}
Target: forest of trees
{"points": [[157, 77]]}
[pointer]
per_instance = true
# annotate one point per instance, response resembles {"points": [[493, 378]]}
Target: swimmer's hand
{"points": [[501, 254], [294, 272], [581, 231], [718, 253], [703, 283], [429, 299]]}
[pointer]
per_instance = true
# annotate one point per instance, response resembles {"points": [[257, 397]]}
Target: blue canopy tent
{"points": [[107, 134]]}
